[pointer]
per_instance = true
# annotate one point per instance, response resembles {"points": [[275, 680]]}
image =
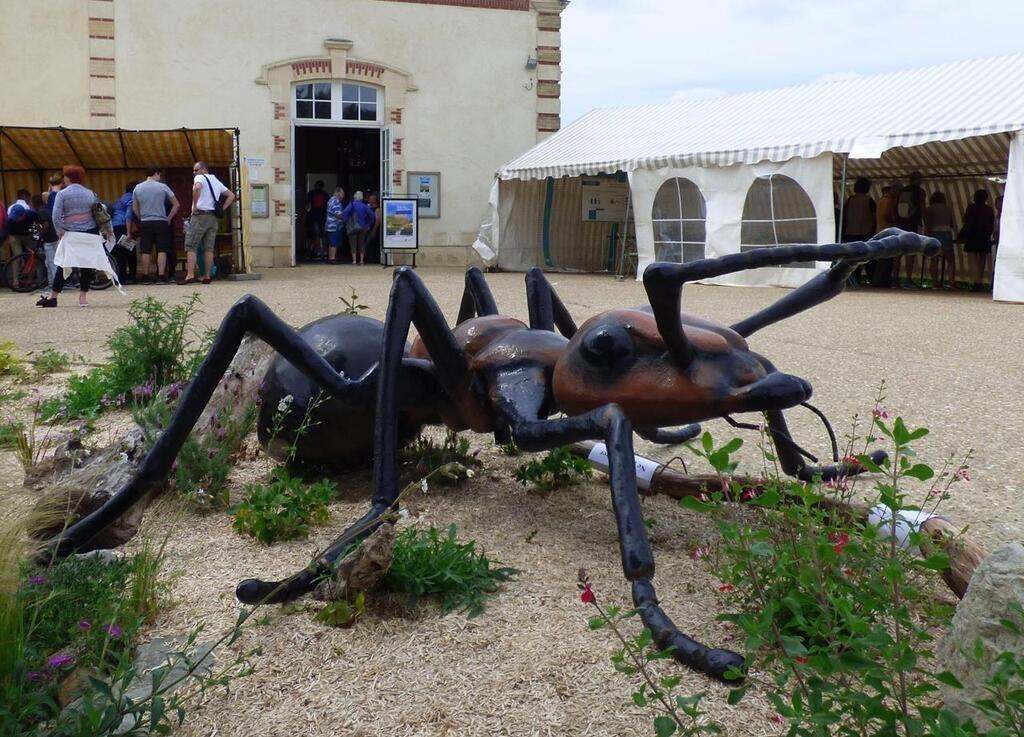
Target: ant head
{"points": [[620, 357]]}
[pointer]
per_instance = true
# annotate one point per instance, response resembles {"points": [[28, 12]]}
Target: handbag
{"points": [[218, 208]]}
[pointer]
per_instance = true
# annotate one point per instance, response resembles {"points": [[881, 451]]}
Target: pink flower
{"points": [[698, 553], [880, 412], [747, 495], [34, 675], [703, 498], [726, 588], [963, 474], [841, 541], [587, 595], [113, 630], [801, 659], [777, 718], [84, 625], [37, 580], [847, 572], [59, 661]]}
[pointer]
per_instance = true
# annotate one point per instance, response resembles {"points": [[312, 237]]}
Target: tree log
{"points": [[80, 481], [964, 554]]}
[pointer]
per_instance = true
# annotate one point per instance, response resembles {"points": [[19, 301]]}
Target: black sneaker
{"points": [[47, 302]]}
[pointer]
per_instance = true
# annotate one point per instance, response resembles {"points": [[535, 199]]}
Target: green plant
{"points": [[10, 364], [453, 454], [86, 397], [158, 346], [28, 442], [557, 469], [342, 613], [838, 616], [51, 361], [637, 658], [11, 434], [284, 509], [510, 449], [427, 563], [204, 462], [352, 305]]}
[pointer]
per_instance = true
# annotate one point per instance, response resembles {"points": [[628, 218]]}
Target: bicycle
{"points": [[26, 271]]}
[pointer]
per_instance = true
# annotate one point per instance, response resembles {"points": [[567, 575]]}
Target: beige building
{"points": [[371, 94]]}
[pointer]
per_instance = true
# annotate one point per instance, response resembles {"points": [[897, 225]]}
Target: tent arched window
{"points": [[678, 217], [778, 212]]}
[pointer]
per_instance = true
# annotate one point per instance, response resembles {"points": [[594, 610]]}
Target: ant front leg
{"points": [[545, 306], [477, 298], [669, 435], [249, 314], [409, 304], [609, 423]]}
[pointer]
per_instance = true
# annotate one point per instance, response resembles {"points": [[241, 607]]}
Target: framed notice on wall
{"points": [[426, 187], [401, 224]]}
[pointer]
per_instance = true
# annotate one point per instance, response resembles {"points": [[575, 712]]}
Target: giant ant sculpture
{"points": [[621, 369]]}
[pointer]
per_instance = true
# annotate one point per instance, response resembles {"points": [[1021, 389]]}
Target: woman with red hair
{"points": [[80, 243]]}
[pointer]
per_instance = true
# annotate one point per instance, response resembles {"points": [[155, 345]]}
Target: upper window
{"points": [[678, 217], [777, 212], [340, 101]]}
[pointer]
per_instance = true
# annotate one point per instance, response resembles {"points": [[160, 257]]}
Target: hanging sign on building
{"points": [[605, 199]]}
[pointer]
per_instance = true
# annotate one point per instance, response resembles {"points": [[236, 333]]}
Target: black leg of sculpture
{"points": [[477, 298], [545, 307], [610, 424], [409, 304], [249, 314], [669, 435]]}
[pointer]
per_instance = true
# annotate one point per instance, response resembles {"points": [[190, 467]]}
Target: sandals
{"points": [[205, 280], [190, 280]]}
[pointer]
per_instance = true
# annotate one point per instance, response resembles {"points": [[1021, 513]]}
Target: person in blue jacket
{"points": [[358, 218], [121, 219]]}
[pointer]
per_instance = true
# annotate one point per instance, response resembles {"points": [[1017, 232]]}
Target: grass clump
{"points": [[284, 509], [429, 563], [557, 469], [427, 456], [52, 361]]}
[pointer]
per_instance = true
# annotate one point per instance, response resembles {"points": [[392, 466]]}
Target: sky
{"points": [[638, 52]]}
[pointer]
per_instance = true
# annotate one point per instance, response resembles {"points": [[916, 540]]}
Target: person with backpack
{"points": [[358, 219], [316, 217], [911, 202], [210, 199]]}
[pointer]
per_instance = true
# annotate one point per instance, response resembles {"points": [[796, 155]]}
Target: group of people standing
{"points": [[351, 229], [78, 230], [907, 206]]}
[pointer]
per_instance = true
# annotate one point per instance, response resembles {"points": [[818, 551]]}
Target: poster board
{"points": [[426, 186], [605, 199], [401, 224]]}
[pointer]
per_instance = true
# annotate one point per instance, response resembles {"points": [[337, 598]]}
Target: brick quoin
{"points": [[396, 115], [397, 148], [279, 143], [280, 208], [488, 4], [280, 113], [396, 178], [280, 175]]}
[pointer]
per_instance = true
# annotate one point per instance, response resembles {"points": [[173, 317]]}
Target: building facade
{"points": [[358, 92]]}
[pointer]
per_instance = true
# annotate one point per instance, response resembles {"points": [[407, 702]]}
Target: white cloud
{"points": [[635, 52]]}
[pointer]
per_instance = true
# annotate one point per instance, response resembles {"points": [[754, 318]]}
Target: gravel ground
{"points": [[529, 665]]}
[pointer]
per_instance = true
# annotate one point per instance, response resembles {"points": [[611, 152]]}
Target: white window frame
{"points": [[744, 247], [337, 105], [682, 243]]}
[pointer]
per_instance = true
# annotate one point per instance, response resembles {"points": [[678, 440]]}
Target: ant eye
{"points": [[607, 345]]}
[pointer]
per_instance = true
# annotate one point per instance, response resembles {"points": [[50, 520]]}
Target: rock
{"points": [[997, 583], [100, 556], [363, 569]]}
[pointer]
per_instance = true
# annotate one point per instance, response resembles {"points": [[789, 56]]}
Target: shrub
{"points": [[284, 509], [86, 397], [427, 563], [557, 469], [10, 364], [52, 361], [205, 461], [427, 456]]}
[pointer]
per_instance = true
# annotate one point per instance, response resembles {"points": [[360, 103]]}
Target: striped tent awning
{"points": [[41, 149], [938, 113]]}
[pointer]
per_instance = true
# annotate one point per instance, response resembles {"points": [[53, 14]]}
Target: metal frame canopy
{"points": [[33, 149]]}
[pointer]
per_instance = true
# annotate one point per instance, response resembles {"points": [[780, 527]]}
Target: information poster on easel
{"points": [[401, 225]]}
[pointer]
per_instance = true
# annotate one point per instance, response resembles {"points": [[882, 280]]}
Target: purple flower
{"points": [[113, 630], [84, 625], [174, 390], [59, 661], [36, 676], [37, 580], [105, 400]]}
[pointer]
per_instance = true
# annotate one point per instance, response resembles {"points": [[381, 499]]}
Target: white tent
{"points": [[712, 176]]}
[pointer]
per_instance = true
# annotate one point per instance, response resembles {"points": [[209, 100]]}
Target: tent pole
{"points": [[625, 228], [3, 173], [842, 200]]}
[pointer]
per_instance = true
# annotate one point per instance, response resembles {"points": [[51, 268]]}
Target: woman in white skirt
{"points": [[80, 244]]}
